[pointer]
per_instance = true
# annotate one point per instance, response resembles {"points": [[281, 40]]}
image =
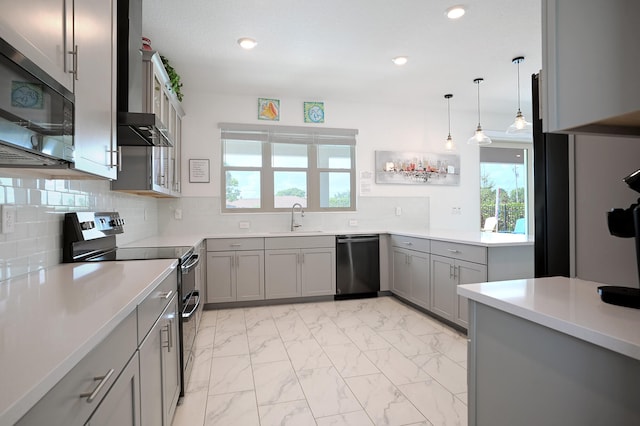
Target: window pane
{"points": [[239, 153], [242, 189], [503, 183], [334, 156], [335, 189], [289, 155], [289, 188]]}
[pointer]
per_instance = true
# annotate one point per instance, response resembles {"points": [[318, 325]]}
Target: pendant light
{"points": [[449, 145], [520, 125], [479, 138]]}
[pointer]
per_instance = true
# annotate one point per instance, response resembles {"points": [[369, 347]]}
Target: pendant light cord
{"points": [[478, 83], [519, 85], [449, 113]]}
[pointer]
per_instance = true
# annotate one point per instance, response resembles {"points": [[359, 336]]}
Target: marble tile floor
{"points": [[354, 362]]}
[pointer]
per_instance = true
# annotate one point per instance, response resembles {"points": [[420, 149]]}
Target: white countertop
{"points": [[568, 305], [485, 239], [51, 319]]}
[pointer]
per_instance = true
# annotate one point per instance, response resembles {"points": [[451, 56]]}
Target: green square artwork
{"points": [[314, 112]]}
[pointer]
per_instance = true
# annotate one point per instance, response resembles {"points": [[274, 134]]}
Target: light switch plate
{"points": [[177, 214], [353, 222], [8, 219], [398, 211], [244, 224]]}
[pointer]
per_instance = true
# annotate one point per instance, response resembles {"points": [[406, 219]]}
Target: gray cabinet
{"points": [[95, 88], [453, 264], [411, 275], [121, 406], [589, 63], [236, 274], [300, 266], [160, 368], [77, 395], [42, 30]]}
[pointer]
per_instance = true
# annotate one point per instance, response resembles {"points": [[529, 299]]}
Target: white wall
{"points": [[381, 127], [601, 164]]}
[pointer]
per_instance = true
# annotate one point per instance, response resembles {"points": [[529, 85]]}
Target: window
{"points": [[504, 188], [269, 168]]}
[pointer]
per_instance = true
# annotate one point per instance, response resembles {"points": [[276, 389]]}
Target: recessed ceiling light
{"points": [[400, 60], [247, 43], [455, 12]]}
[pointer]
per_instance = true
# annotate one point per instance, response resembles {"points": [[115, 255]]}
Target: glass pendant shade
{"points": [[448, 144], [520, 124], [479, 137]]}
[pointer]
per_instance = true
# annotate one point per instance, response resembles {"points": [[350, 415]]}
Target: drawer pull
{"points": [[103, 380], [165, 295], [408, 243], [453, 251], [236, 245]]}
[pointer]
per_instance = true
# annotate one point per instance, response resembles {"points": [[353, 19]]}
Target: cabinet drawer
{"points": [[466, 252], [226, 244], [151, 308], [325, 241], [412, 243], [63, 405]]}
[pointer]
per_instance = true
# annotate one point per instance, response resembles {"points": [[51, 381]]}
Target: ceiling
{"points": [[342, 49]]}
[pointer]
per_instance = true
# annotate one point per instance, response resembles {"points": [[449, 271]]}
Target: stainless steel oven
{"points": [[91, 237]]}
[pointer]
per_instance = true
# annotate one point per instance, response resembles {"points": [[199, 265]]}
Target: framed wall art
{"points": [[199, 171], [417, 168], [314, 112], [268, 109]]}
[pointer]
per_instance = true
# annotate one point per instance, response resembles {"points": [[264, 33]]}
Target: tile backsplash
{"points": [[40, 205]]}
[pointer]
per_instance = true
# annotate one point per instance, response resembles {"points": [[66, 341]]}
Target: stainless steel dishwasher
{"points": [[357, 266]]}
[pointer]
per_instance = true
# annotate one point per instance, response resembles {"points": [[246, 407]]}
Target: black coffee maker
{"points": [[625, 223]]}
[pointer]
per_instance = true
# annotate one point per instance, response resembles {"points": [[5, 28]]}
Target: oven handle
{"points": [[190, 264], [186, 316]]}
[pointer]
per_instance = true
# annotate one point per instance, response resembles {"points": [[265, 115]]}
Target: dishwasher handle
{"points": [[357, 239]]}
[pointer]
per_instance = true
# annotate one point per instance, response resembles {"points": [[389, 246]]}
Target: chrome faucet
{"points": [[295, 225]]}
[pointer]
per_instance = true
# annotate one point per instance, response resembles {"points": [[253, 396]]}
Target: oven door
{"points": [[190, 303]]}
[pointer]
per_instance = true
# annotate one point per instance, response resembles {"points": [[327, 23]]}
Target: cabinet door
{"points": [[419, 270], [221, 276], [249, 275], [467, 273], [151, 376], [170, 362], [121, 405], [282, 273], [42, 30], [401, 280], [95, 88], [443, 286], [318, 272]]}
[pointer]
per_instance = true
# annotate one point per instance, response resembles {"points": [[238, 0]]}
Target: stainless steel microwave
{"points": [[36, 114]]}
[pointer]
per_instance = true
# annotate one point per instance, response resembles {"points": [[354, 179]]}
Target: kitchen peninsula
{"points": [[549, 351]]}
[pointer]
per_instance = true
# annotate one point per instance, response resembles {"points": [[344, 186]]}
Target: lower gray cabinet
{"points": [[446, 274], [121, 405], [235, 275], [411, 275], [300, 267], [160, 369]]}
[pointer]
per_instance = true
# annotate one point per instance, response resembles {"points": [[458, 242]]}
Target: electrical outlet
{"points": [[244, 224], [456, 211], [177, 214], [353, 222], [398, 211], [8, 219]]}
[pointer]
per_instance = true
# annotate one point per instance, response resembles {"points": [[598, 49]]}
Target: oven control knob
{"points": [[85, 226]]}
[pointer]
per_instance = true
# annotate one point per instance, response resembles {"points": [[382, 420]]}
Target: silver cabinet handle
{"points": [[453, 251], [451, 271], [74, 53], [169, 343], [236, 245], [408, 243], [302, 257], [103, 380], [165, 295]]}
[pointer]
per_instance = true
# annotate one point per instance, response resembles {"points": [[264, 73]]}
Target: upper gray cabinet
{"points": [[590, 60], [42, 30], [95, 88]]}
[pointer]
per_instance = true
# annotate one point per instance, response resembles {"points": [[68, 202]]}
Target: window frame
{"points": [[269, 135]]}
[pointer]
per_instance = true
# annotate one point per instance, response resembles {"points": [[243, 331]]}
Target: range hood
{"points": [[136, 126]]}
